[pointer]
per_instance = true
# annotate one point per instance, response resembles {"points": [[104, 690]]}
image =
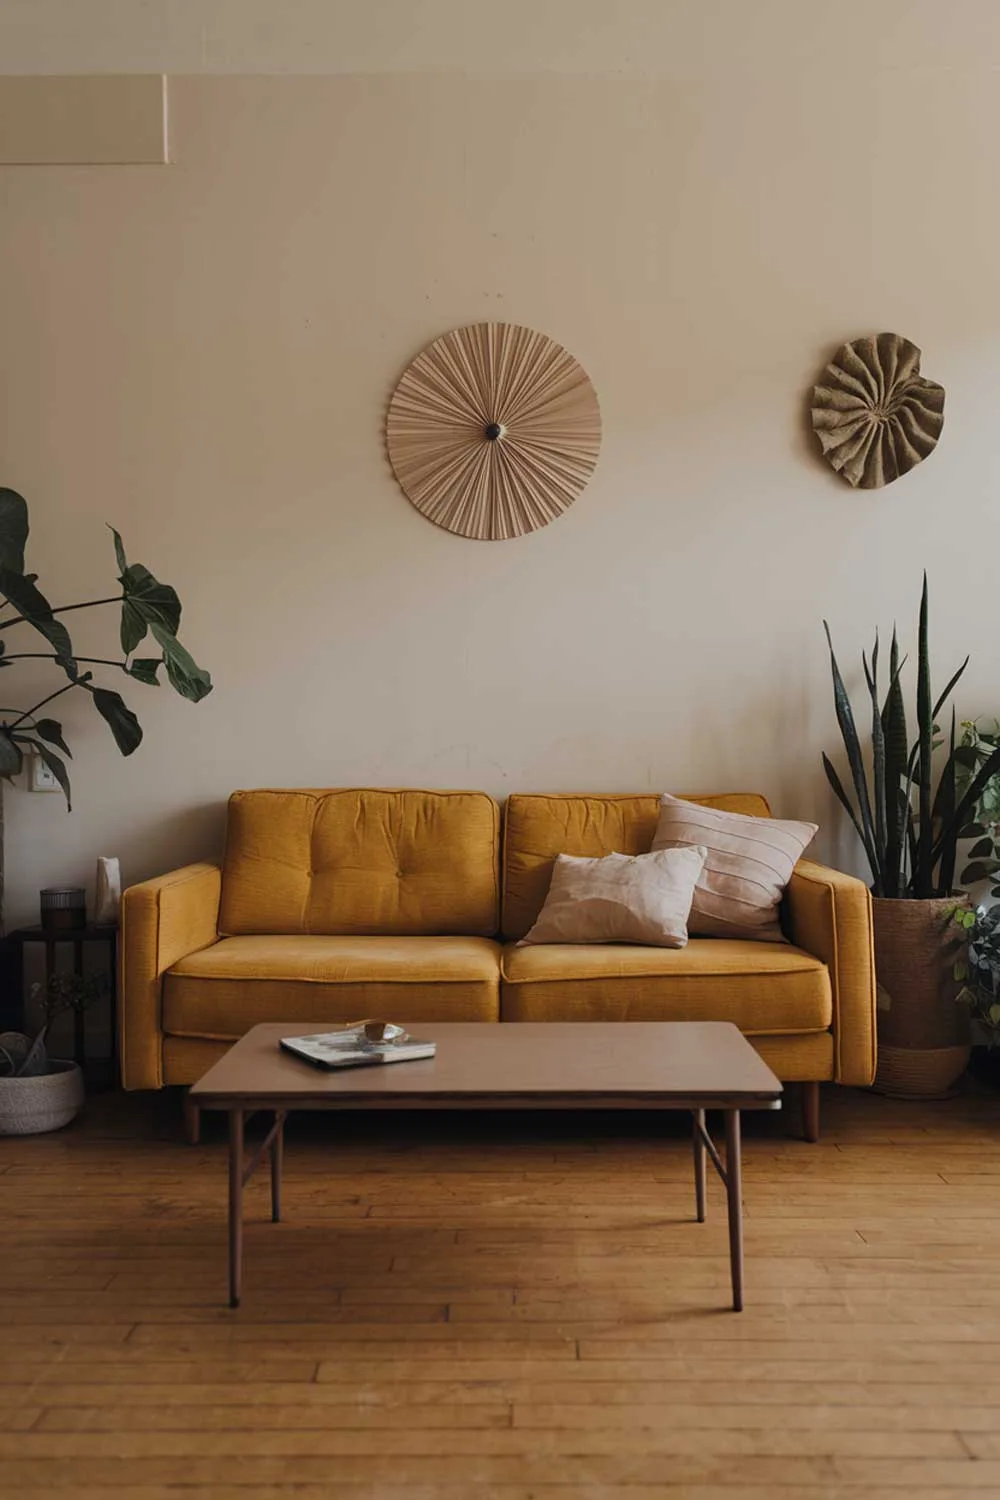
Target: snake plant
{"points": [[908, 827]]}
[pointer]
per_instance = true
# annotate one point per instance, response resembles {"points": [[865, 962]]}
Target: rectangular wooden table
{"points": [[685, 1065]]}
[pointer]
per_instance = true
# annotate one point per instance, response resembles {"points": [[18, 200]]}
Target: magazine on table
{"points": [[361, 1045]]}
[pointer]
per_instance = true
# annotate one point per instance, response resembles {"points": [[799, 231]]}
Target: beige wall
{"points": [[367, 36], [201, 355]]}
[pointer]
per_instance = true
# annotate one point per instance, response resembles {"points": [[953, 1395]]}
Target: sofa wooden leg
{"points": [[810, 1111], [192, 1122]]}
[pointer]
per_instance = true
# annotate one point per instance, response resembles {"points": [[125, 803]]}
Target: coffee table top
{"points": [[532, 1065]]}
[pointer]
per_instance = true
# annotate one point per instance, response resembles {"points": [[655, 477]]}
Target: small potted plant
{"points": [[38, 1092]]}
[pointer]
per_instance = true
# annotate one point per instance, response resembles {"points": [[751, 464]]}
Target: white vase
{"points": [[108, 890]]}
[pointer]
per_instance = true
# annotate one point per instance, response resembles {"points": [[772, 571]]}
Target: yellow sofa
{"points": [[330, 905]]}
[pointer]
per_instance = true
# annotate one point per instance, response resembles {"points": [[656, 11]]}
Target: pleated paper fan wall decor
{"points": [[875, 415], [493, 431]]}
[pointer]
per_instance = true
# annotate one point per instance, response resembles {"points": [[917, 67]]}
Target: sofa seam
{"points": [[838, 1030], [309, 979], [159, 989], [775, 1032], [189, 873], [792, 1031], [771, 974]]}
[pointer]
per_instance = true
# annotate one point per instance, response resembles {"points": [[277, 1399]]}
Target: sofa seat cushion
{"points": [[762, 988], [224, 990]]}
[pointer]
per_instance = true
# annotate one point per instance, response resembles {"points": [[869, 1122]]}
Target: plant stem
{"points": [[30, 713], [64, 609], [98, 661]]}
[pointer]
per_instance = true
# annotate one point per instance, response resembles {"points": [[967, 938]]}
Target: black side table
{"points": [[12, 999]]}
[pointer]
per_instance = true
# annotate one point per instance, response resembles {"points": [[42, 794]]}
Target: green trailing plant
{"points": [[24, 1056], [978, 969], [909, 827], [150, 612], [980, 739]]}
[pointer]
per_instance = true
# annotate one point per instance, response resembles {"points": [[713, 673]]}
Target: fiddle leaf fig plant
{"points": [[148, 609]]}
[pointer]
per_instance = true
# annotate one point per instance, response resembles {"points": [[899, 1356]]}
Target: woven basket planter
{"points": [[29, 1106], [923, 1030]]}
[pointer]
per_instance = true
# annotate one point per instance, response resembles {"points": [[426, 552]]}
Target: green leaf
{"points": [[49, 729], [144, 669], [120, 719], [837, 785], [943, 812], [120, 557], [133, 628], [878, 753], [948, 690], [969, 920], [11, 759], [849, 735], [896, 775], [72, 670], [186, 677], [922, 874], [989, 769], [147, 602], [971, 831], [13, 530], [974, 872], [982, 850], [20, 590]]}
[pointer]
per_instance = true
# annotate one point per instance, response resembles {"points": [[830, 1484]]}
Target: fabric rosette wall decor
{"points": [[874, 413], [493, 431]]}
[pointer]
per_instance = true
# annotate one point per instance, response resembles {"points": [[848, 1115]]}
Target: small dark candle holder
{"points": [[63, 908]]}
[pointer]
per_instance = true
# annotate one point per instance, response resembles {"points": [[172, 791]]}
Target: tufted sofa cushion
{"points": [[361, 861]]}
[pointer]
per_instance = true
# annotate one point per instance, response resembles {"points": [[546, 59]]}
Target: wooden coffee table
{"points": [[686, 1065]]}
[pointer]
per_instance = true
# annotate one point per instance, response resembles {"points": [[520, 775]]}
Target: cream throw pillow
{"points": [[749, 863], [622, 898]]}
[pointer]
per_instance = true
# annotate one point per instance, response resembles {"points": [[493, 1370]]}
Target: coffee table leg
{"points": [[699, 1163], [277, 1159], [734, 1193], [235, 1206]]}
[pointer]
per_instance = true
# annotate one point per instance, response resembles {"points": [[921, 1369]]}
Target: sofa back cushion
{"points": [[404, 863], [539, 827]]}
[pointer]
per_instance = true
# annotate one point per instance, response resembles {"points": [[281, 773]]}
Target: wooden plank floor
{"points": [[505, 1308]]}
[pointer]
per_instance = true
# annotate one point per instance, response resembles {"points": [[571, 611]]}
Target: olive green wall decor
{"points": [[874, 413]]}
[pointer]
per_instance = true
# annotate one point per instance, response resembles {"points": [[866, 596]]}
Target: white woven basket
{"points": [[29, 1106]]}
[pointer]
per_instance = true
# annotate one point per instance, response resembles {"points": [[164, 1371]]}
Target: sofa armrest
{"points": [[161, 921], [829, 914]]}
